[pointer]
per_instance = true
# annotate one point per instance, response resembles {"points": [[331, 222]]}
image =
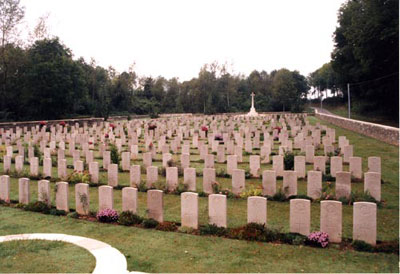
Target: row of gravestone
{"points": [[372, 178], [364, 213]]}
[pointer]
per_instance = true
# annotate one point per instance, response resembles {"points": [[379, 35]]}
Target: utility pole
{"points": [[320, 94], [348, 97]]}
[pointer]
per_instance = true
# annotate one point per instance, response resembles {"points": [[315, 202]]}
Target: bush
{"points": [[150, 223], [318, 239], [251, 192], [167, 226], [57, 212], [129, 218], [253, 232], [38, 207], [114, 154], [362, 246], [293, 238], [279, 196], [107, 215], [142, 186], [288, 161], [212, 230], [79, 177]]}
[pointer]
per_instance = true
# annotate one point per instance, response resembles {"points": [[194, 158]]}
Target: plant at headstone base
{"points": [[83, 198], [167, 226], [187, 230], [247, 174], [79, 177], [180, 189], [107, 215], [149, 223], [327, 192], [362, 246], [211, 229], [202, 194], [337, 151], [288, 160], [218, 137], [57, 212], [253, 232], [161, 185], [74, 215], [279, 196], [293, 238], [216, 187], [318, 239], [300, 196], [129, 218], [222, 173], [115, 157], [142, 187], [37, 206], [251, 192], [328, 178]]}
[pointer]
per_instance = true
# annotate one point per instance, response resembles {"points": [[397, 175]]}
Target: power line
{"points": [[383, 77]]}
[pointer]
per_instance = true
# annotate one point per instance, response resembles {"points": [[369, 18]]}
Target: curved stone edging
{"points": [[108, 259]]}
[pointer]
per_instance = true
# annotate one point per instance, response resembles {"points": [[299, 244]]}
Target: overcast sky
{"points": [[176, 38]]}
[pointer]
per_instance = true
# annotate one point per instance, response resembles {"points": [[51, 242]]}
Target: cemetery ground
{"points": [[157, 251]]}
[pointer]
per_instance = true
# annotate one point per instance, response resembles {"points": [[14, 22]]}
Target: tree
{"points": [[367, 52], [11, 14]]}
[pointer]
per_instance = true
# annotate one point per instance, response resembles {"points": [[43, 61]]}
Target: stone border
{"points": [[383, 133], [108, 259]]}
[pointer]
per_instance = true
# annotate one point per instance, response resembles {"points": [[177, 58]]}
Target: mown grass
{"points": [[37, 256], [157, 251]]}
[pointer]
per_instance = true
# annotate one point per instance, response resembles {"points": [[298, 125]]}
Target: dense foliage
{"points": [[40, 79], [366, 55]]}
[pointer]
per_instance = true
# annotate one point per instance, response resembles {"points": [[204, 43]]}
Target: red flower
{"points": [[106, 135], [43, 123], [62, 123], [278, 128], [204, 128], [90, 143], [112, 126]]}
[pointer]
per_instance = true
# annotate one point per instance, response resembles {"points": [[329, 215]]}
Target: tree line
{"points": [[366, 55], [40, 79]]}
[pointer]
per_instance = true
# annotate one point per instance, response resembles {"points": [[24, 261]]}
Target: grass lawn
{"points": [[156, 251], [372, 118], [44, 256]]}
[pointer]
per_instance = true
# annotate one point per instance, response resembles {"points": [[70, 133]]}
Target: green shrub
{"points": [[142, 186], [79, 177], [288, 160], [129, 218], [362, 246], [253, 232], [38, 207], [293, 238], [74, 215], [115, 158], [212, 230], [279, 196], [150, 223], [57, 212]]}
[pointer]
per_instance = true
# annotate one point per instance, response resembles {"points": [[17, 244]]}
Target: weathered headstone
{"points": [[94, 172], [135, 175], [172, 178], [372, 184], [289, 183], [189, 178], [155, 205], [300, 216], [24, 195], [331, 220], [355, 167], [343, 184], [254, 165], [364, 222], [300, 166], [269, 182], [374, 164], [257, 210], [314, 184], [190, 210], [336, 165], [44, 191], [238, 181], [5, 188], [62, 196], [129, 199], [151, 176], [113, 175], [217, 210], [106, 197], [82, 201], [208, 180]]}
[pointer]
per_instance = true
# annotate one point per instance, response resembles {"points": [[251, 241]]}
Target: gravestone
{"points": [[190, 210], [319, 163], [151, 176], [254, 165], [172, 178], [257, 210], [62, 196], [231, 164], [336, 165], [374, 164], [5, 188], [106, 197], [314, 184], [217, 210], [343, 184], [24, 195], [129, 199], [208, 180], [238, 181], [269, 182], [355, 167], [112, 174], [300, 166], [44, 191], [134, 175], [82, 201], [372, 184], [364, 222], [277, 164], [300, 216], [331, 220], [155, 204], [34, 166], [189, 178], [289, 183]]}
